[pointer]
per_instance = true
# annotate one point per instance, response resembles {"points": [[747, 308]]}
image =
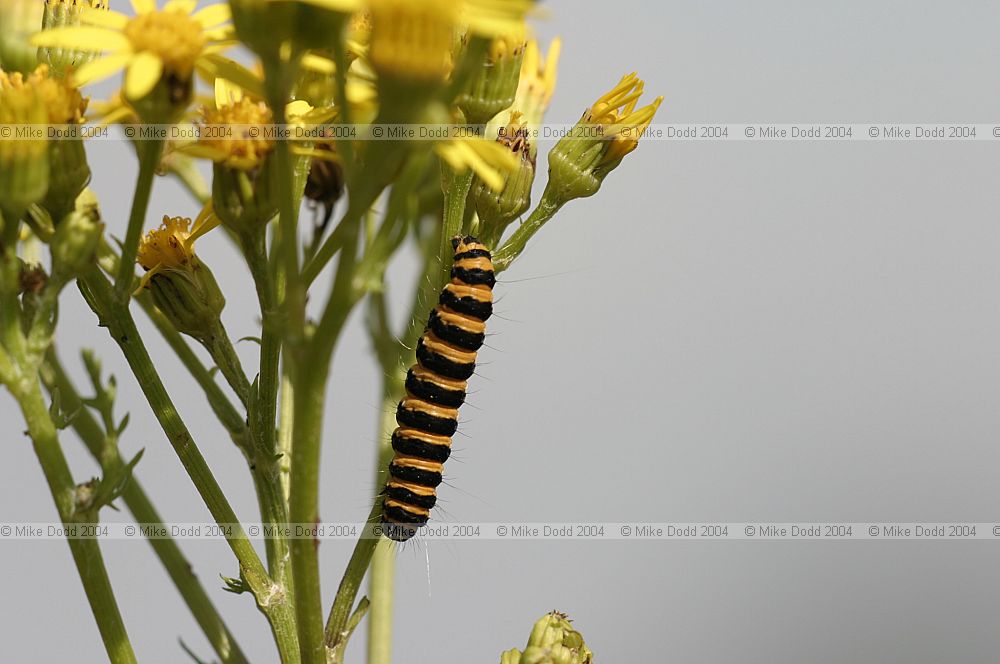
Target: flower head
{"points": [[553, 641], [155, 45], [24, 162], [413, 40], [18, 20], [498, 207], [63, 14], [169, 247], [491, 88], [182, 286], [63, 105], [236, 149], [608, 131]]}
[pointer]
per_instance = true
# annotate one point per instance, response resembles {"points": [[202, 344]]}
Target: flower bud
{"points": [[608, 131], [554, 641], [497, 209], [24, 159], [492, 87], [68, 169], [65, 14], [244, 200], [182, 287], [19, 19], [74, 244], [243, 184], [411, 45]]}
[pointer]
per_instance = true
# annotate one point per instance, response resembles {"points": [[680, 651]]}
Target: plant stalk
{"points": [[165, 547], [114, 315], [149, 159]]}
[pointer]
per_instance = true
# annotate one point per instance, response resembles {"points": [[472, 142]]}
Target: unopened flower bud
{"points": [[75, 242], [554, 641], [65, 14], [608, 131], [24, 159], [411, 45], [68, 169], [182, 287], [492, 87], [497, 209], [19, 19]]}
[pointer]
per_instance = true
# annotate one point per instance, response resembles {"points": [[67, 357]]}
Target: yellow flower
{"points": [[152, 45], [18, 19], [608, 130], [169, 247], [62, 101], [415, 40], [24, 163], [616, 111], [181, 285], [235, 148]]}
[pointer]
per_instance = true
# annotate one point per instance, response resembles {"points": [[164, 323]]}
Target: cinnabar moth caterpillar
{"points": [[435, 387]]}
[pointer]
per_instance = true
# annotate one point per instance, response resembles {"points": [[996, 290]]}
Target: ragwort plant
{"points": [[349, 64]]}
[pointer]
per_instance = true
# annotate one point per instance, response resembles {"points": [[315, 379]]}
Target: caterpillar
{"points": [[427, 416]]}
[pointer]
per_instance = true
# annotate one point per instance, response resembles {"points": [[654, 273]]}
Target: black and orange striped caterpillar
{"points": [[427, 416]]}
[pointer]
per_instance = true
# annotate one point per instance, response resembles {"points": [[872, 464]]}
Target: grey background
{"points": [[728, 331]]}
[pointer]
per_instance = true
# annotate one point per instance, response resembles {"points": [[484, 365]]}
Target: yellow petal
{"points": [[143, 6], [142, 75], [115, 115], [185, 6], [296, 109], [82, 38], [206, 221], [101, 68], [219, 34], [318, 63], [227, 93], [212, 66], [104, 18], [335, 5], [145, 279], [221, 46], [212, 15]]}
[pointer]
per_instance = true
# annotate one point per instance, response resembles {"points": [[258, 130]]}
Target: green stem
{"points": [[221, 406], [384, 562], [266, 461], [545, 210], [381, 597], [86, 551], [149, 159], [350, 583], [114, 315], [221, 349], [310, 393], [456, 192], [171, 557]]}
